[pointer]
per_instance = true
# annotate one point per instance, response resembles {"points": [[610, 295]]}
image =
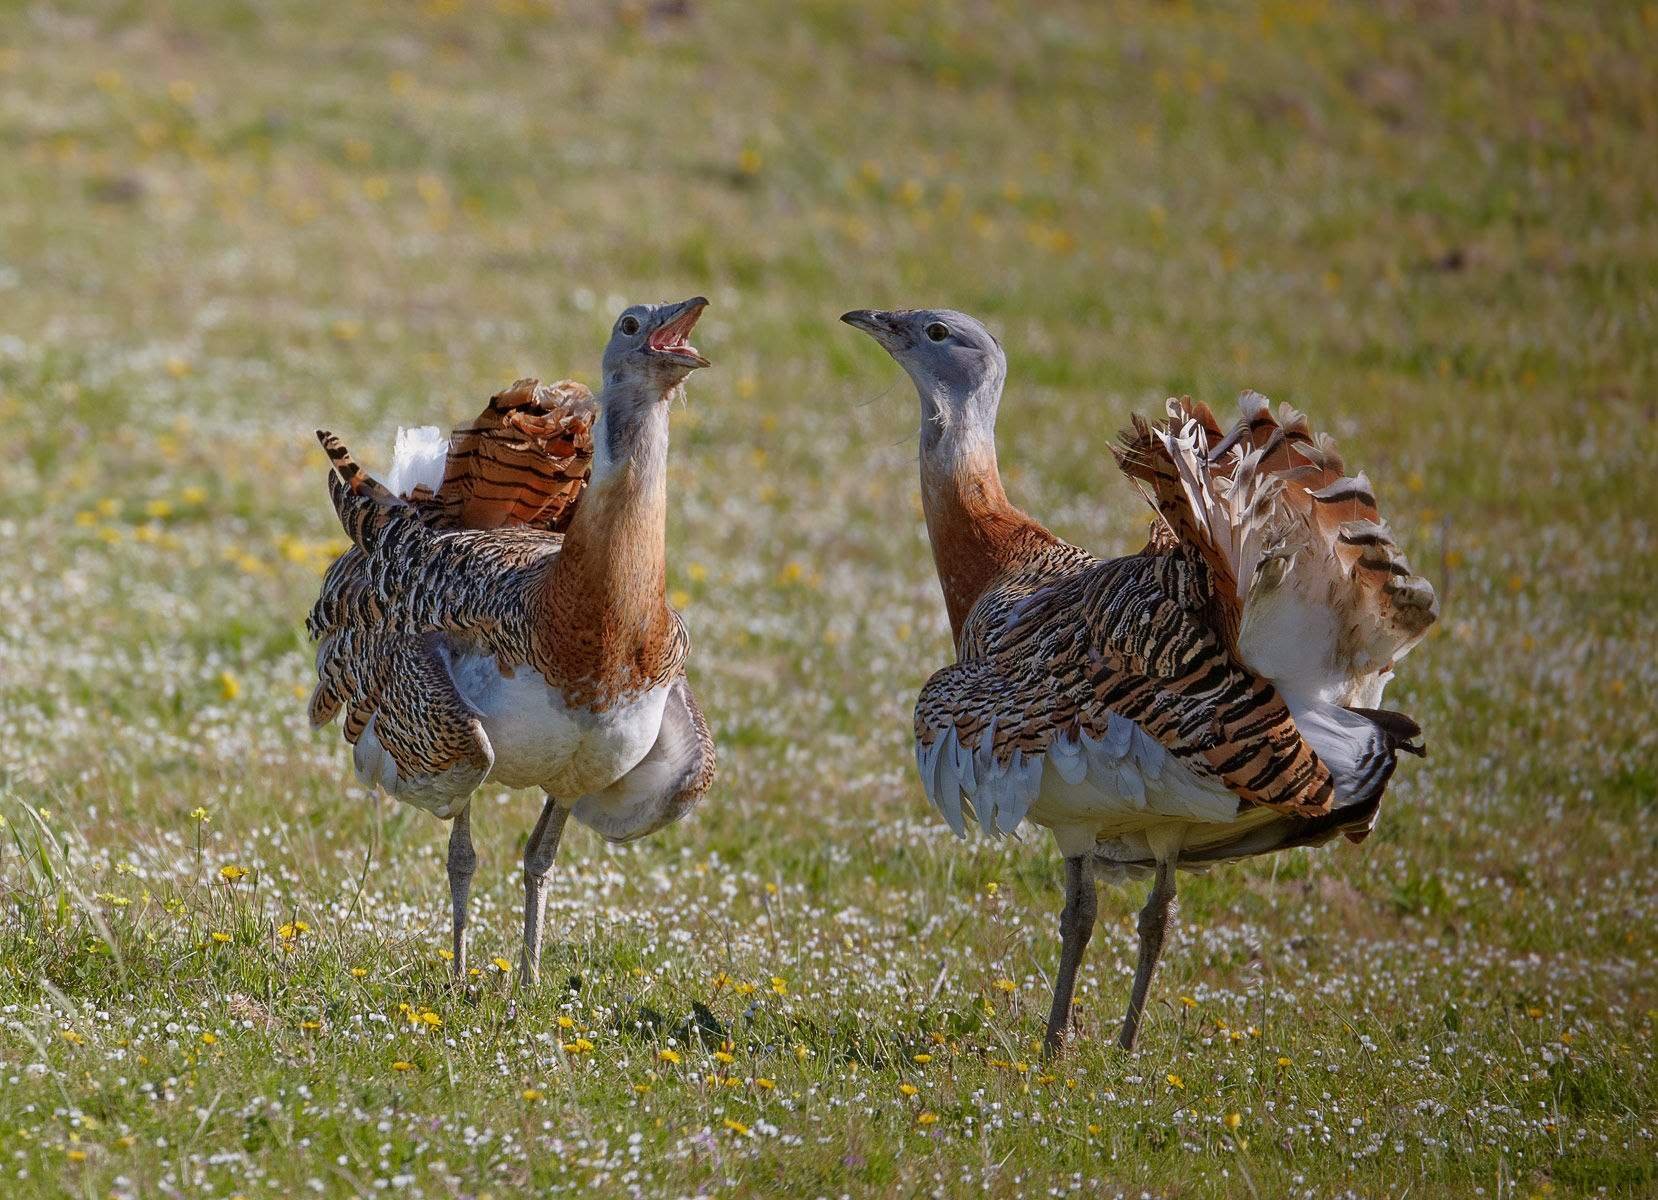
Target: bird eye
{"points": [[630, 325], [938, 331]]}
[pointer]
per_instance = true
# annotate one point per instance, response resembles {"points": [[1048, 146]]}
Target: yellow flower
{"points": [[736, 1127], [229, 686], [431, 1018], [158, 508], [1283, 1060], [1006, 985], [749, 161], [779, 985], [199, 814], [1188, 1002], [77, 1156], [1233, 1120], [566, 1023], [208, 1039], [667, 1055], [1093, 1129], [73, 1038], [530, 1095], [922, 1058], [908, 1089], [1176, 1082], [447, 955], [926, 1118], [358, 972], [310, 1025], [230, 872], [500, 964], [401, 1065], [745, 988], [641, 1088], [194, 494], [722, 1057], [221, 938], [768, 1084], [580, 1046]]}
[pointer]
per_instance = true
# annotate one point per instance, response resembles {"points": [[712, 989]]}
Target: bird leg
{"points": [[462, 863], [538, 860], [1154, 924], [1076, 926]]}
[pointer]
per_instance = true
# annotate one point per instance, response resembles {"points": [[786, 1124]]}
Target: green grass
{"points": [[1433, 226]]}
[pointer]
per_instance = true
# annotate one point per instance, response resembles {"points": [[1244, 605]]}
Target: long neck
{"points": [[978, 536], [605, 609]]}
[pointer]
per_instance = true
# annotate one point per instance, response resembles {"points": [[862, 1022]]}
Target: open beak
{"points": [[671, 338], [878, 325]]}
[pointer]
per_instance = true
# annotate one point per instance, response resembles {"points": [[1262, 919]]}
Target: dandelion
{"points": [[194, 494], [1006, 985], [907, 1089], [1176, 1082], [76, 1156], [530, 1095], [358, 972], [1188, 1002], [1284, 1060], [73, 1038], [926, 1118], [402, 1065], [1093, 1129], [580, 1046], [736, 1127], [500, 964], [565, 1022], [230, 872], [722, 1056], [158, 508], [767, 1084], [229, 686], [219, 937], [991, 888], [1233, 1120], [209, 1039], [923, 1058], [779, 985], [668, 1055]]}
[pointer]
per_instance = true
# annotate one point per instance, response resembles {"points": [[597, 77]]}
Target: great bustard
{"points": [[519, 655], [1210, 698]]}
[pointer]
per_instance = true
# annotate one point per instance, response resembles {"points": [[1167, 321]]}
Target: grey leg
{"points": [[1076, 926], [538, 860], [1154, 923], [462, 863]]}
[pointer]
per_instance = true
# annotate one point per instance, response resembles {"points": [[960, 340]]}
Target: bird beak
{"points": [[879, 325], [670, 338]]}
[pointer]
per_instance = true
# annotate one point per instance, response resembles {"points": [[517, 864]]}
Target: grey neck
{"points": [[958, 432], [630, 438]]}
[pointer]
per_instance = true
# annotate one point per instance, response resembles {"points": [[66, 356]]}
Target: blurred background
{"points": [[1433, 225]]}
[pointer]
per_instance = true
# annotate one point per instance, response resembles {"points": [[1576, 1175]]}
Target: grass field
{"points": [[1433, 225]]}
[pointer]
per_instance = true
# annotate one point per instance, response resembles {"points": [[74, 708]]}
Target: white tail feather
{"points": [[418, 460]]}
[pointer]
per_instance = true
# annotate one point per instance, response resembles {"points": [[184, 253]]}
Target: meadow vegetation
{"points": [[222, 224]]}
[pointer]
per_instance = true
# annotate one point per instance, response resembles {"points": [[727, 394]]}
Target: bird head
{"points": [[957, 366], [649, 351]]}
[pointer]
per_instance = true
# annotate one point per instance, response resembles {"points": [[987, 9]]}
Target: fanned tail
{"points": [[1318, 597], [524, 460], [1309, 589]]}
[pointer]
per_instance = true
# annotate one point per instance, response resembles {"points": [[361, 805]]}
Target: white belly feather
{"points": [[541, 742]]}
